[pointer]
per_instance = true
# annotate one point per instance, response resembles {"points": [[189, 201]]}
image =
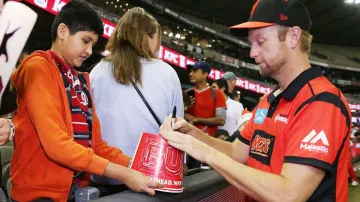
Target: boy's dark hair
{"points": [[77, 15], [222, 84], [220, 132]]}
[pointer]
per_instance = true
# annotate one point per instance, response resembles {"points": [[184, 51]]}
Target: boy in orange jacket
{"points": [[58, 141]]}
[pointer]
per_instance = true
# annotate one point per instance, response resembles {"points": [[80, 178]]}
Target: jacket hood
{"points": [[39, 55]]}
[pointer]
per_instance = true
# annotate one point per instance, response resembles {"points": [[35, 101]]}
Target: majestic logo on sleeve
{"points": [[315, 142], [262, 145]]}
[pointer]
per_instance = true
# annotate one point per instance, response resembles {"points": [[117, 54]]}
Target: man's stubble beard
{"points": [[274, 64]]}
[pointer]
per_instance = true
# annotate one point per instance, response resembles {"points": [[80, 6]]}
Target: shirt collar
{"points": [[59, 61], [299, 82]]}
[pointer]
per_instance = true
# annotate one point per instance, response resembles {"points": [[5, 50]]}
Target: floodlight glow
{"points": [[352, 1]]}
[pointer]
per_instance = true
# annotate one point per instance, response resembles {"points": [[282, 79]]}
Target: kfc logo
{"points": [[171, 57], [108, 30], [58, 4]]}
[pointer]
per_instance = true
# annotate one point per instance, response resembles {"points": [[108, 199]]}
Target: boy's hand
{"points": [[138, 182], [133, 179]]}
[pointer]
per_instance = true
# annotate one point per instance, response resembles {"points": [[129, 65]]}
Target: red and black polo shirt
{"points": [[308, 123]]}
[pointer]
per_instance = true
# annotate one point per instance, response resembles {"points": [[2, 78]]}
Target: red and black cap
{"points": [[267, 13]]}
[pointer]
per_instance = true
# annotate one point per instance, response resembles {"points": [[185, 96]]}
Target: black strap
{"points": [[147, 105], [66, 84]]}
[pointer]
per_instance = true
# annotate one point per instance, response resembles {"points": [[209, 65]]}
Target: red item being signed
{"points": [[160, 162]]}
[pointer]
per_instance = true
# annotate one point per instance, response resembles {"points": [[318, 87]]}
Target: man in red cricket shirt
{"points": [[209, 110]]}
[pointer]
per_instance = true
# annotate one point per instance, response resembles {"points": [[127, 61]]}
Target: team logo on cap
{"points": [[283, 17]]}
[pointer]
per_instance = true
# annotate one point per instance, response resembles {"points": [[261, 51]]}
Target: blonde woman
{"points": [[133, 60]]}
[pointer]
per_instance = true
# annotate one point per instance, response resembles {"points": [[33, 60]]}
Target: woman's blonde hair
{"points": [[129, 43]]}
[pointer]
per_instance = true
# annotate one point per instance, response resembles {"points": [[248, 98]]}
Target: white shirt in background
{"points": [[233, 114]]}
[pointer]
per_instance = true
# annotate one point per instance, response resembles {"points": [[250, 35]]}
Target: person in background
{"points": [[1, 5], [8, 99], [7, 128], [209, 110], [221, 134], [230, 78], [133, 62], [58, 140], [351, 171], [244, 119], [237, 96], [234, 109]]}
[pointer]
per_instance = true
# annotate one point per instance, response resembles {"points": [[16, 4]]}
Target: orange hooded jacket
{"points": [[46, 154]]}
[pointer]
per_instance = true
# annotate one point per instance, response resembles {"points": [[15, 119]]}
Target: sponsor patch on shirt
{"points": [[262, 146], [260, 116]]}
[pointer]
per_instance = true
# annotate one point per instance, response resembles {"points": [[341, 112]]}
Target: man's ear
{"points": [[295, 37], [62, 31]]}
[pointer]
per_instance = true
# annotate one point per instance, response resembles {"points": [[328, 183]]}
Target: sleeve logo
{"points": [[315, 142]]}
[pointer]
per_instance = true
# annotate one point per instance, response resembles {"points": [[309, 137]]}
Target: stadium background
{"points": [[197, 30]]}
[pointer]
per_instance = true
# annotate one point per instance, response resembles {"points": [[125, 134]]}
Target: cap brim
{"points": [[190, 66], [241, 30]]}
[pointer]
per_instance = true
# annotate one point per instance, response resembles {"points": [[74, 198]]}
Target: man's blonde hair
{"points": [[306, 38]]}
